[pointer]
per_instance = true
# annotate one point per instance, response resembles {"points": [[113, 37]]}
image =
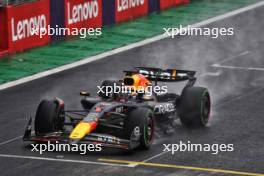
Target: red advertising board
{"points": [[164, 4], [127, 9], [179, 2], [22, 23], [3, 29], [140, 10], [83, 13], [186, 1]]}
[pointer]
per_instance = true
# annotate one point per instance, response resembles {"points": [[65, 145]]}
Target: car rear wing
{"points": [[161, 75]]}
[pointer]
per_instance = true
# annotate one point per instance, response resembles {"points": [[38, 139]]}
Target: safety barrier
{"points": [[3, 31], [128, 9], [153, 6], [57, 18], [18, 22], [83, 13], [22, 20]]}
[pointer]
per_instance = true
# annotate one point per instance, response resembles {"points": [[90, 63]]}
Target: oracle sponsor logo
{"points": [[127, 4], [81, 12], [27, 27]]}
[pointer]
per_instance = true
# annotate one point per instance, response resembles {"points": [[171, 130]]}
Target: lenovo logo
{"points": [[27, 27], [81, 12], [127, 4]]}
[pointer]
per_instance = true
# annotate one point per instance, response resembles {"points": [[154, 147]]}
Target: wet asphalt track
{"points": [[237, 117]]}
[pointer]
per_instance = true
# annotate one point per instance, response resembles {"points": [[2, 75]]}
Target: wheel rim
{"points": [[149, 131]]}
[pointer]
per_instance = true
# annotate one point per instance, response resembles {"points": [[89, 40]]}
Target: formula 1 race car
{"points": [[121, 119]]}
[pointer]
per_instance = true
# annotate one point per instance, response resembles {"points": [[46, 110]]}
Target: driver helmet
{"points": [[137, 81]]}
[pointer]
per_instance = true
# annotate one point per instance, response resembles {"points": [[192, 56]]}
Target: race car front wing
{"points": [[93, 138]]}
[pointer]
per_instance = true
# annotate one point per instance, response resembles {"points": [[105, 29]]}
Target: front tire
{"points": [[49, 116], [195, 107], [140, 121]]}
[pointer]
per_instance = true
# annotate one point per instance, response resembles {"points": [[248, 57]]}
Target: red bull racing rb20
{"points": [[124, 120]]}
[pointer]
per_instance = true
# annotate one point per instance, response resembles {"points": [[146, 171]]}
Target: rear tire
{"points": [[195, 107], [140, 121], [49, 117]]}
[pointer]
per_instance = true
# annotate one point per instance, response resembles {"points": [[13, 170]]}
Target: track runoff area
{"points": [[156, 160]]}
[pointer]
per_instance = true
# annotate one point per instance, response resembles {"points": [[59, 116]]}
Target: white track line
{"points": [[233, 57], [125, 48], [63, 160], [155, 156], [219, 64], [238, 68], [151, 158], [10, 140], [148, 159]]}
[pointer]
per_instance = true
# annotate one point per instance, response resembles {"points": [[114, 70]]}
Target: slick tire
{"points": [[49, 117], [195, 107], [106, 85], [140, 124]]}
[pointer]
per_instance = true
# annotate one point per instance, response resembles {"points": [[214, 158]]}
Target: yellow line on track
{"points": [[181, 167]]}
